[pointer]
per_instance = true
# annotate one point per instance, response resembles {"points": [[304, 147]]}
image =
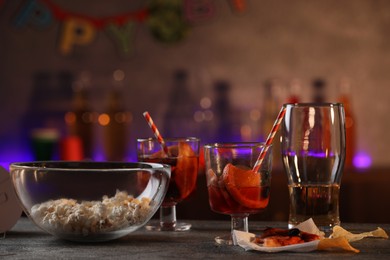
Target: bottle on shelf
{"points": [[115, 121], [318, 133], [319, 88], [223, 111], [294, 91], [271, 107], [80, 120], [350, 120], [178, 118]]}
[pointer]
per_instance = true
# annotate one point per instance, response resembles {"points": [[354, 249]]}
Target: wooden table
{"points": [[26, 241]]}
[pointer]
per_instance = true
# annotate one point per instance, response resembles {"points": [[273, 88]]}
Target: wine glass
{"points": [[183, 158], [235, 188], [313, 150]]}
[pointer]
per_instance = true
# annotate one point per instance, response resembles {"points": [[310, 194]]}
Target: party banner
{"points": [[169, 21]]}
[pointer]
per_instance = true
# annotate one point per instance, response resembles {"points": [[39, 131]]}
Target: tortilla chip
{"points": [[340, 232], [334, 243]]}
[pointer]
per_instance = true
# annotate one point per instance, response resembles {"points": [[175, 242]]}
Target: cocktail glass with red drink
{"points": [[236, 187], [183, 157]]}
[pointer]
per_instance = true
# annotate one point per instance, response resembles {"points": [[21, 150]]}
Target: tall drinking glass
{"points": [[234, 188], [313, 150], [183, 158]]}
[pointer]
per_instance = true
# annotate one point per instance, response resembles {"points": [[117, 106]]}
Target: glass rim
{"points": [[169, 139], [236, 145], [314, 104], [61, 166]]}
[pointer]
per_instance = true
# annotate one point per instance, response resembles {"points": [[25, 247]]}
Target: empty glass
{"points": [[313, 150]]}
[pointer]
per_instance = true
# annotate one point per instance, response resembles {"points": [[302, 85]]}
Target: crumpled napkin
{"points": [[339, 239]]}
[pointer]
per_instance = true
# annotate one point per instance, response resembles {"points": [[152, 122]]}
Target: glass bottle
{"points": [[271, 108], [319, 88], [178, 119], [294, 91], [80, 119], [115, 121], [319, 96], [350, 121]]}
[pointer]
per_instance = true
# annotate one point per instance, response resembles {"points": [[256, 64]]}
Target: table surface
{"points": [[26, 241]]}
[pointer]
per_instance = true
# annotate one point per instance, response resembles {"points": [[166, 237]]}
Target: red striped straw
{"points": [[270, 138], [156, 133]]}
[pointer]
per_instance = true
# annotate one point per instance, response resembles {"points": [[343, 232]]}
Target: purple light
{"points": [[10, 156], [98, 155], [5, 165], [362, 160], [311, 154]]}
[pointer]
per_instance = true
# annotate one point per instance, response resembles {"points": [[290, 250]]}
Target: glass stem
{"points": [[239, 223], [168, 217]]}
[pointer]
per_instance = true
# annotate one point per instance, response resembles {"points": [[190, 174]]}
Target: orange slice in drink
{"points": [[212, 179], [244, 186], [173, 150], [219, 188], [186, 169]]}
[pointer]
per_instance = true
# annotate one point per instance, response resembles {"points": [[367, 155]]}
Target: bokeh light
{"points": [[118, 75], [205, 103], [362, 160], [104, 119]]}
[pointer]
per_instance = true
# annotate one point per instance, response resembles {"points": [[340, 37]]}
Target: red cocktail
{"points": [[234, 188], [183, 158], [222, 202]]}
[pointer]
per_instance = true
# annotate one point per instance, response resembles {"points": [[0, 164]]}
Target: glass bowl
{"points": [[90, 201]]}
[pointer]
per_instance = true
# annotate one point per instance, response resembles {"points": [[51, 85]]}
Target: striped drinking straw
{"points": [[270, 138], [156, 133]]}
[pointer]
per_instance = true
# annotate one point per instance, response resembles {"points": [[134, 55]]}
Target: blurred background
{"points": [[75, 78]]}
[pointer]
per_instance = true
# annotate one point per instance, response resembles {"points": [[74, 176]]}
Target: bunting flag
{"points": [[169, 21], [238, 6], [199, 11]]}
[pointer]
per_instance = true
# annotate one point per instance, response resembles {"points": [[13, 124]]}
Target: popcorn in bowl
{"points": [[87, 201], [91, 217]]}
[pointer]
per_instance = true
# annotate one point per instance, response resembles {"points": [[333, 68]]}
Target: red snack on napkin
{"points": [[274, 237]]}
